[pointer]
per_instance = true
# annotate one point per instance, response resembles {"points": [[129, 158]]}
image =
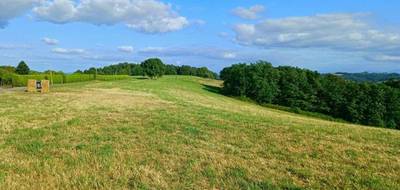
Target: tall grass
{"points": [[111, 77], [22, 80], [79, 78]]}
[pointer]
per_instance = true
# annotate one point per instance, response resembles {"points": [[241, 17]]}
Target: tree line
{"points": [[374, 104], [153, 67]]}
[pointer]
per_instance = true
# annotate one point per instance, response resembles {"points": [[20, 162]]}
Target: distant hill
{"points": [[368, 77]]}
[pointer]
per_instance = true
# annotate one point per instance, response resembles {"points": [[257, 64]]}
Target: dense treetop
{"points": [[138, 70], [154, 67], [22, 68]]}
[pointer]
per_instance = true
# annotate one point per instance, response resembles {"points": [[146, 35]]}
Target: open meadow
{"points": [[178, 132]]}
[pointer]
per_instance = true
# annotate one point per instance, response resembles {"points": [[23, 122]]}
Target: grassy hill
{"points": [[177, 133]]}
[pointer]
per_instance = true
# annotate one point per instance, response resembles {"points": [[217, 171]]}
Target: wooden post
{"points": [[51, 77], [31, 86], [45, 86]]}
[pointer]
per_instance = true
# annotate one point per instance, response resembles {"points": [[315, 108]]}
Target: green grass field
{"points": [[178, 133]]}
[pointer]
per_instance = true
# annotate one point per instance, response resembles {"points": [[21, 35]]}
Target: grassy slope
{"points": [[175, 133]]}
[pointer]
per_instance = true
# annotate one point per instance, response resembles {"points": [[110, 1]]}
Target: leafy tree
{"points": [[78, 72], [22, 68], [262, 82], [394, 83], [375, 104], [235, 81], [136, 70], [392, 105], [153, 68], [91, 70], [187, 70], [171, 70]]}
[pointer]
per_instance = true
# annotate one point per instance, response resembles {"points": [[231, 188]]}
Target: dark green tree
{"points": [[153, 68], [235, 80], [136, 70], [22, 68], [78, 72], [171, 70], [374, 104]]}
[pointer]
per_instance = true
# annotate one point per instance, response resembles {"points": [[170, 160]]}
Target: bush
{"points": [[6, 78], [22, 80]]}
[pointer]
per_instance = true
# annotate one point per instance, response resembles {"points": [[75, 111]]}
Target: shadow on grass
{"points": [[218, 90], [213, 89], [141, 78]]}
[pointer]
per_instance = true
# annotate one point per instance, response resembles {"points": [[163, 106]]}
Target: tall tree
{"points": [[153, 68], [22, 68]]}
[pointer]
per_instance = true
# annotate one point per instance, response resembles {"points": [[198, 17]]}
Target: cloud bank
{"points": [[338, 31], [10, 9], [207, 52], [148, 16], [126, 49], [68, 51], [49, 41]]}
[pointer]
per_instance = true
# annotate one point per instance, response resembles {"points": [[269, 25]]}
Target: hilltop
{"points": [[368, 77], [177, 132]]}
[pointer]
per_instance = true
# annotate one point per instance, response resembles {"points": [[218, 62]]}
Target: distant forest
{"points": [[374, 104], [368, 77], [137, 70]]}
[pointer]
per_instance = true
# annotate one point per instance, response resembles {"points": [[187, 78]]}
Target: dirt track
{"points": [[16, 89]]}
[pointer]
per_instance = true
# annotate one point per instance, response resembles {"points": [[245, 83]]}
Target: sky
{"points": [[326, 36]]}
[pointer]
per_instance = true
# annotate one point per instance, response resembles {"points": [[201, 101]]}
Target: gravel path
{"points": [[16, 89]]}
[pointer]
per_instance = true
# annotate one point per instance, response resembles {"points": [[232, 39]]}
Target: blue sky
{"points": [[327, 36]]}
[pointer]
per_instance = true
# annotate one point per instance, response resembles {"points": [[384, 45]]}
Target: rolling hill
{"points": [[178, 133], [368, 77]]}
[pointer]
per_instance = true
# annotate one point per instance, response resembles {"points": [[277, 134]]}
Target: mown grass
{"points": [[177, 133]]}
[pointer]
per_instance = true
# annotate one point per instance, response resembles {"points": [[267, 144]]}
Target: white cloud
{"points": [[68, 51], [223, 35], [335, 31], [384, 58], [104, 57], [249, 13], [49, 41], [199, 22], [148, 16], [125, 49], [205, 52], [10, 9], [229, 55]]}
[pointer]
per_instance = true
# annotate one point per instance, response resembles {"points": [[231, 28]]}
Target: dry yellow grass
{"points": [[173, 133]]}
